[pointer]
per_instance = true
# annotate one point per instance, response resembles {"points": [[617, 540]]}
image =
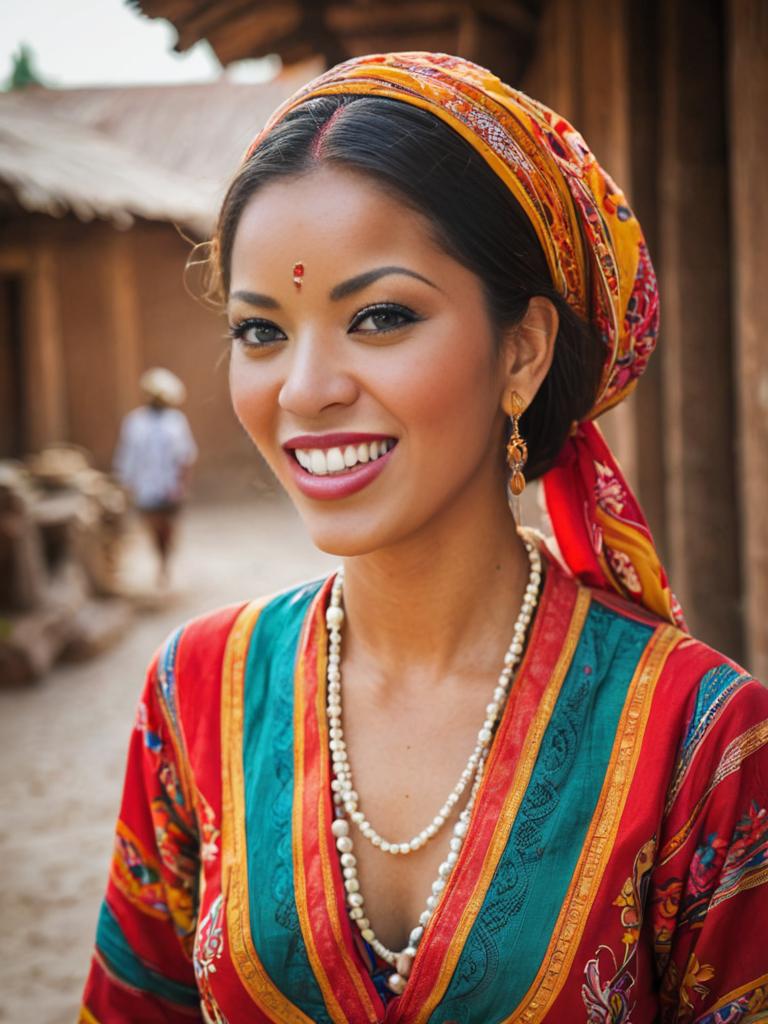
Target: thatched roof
{"points": [[157, 152], [50, 165]]}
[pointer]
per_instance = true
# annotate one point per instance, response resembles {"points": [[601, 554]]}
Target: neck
{"points": [[442, 601]]}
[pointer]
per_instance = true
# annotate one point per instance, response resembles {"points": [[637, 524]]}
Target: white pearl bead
{"points": [[415, 937], [460, 829], [484, 736], [334, 617], [354, 899], [349, 872], [493, 709], [384, 845], [344, 844], [451, 858], [431, 902], [438, 885], [424, 918], [358, 817], [455, 844], [367, 934], [438, 821], [356, 913], [445, 869], [348, 860], [352, 885], [362, 921]]}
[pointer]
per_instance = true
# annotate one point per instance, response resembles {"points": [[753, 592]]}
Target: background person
{"points": [[154, 457]]}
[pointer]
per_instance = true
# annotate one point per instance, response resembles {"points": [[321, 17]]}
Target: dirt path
{"points": [[62, 749]]}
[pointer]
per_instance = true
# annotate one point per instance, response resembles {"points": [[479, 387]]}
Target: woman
{"points": [[425, 272]]}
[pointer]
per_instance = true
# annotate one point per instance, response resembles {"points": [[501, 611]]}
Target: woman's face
{"points": [[373, 389]]}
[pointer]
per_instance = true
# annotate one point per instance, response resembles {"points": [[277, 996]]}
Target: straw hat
{"points": [[162, 385]]}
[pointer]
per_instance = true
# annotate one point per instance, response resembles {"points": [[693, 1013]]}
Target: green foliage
{"points": [[24, 72]]}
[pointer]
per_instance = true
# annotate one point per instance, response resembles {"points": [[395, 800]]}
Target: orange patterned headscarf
{"points": [[599, 262]]}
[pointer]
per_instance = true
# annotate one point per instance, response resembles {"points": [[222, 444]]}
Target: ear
{"points": [[528, 348]]}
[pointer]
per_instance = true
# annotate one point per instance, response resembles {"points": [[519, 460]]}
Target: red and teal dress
{"points": [[615, 868]]}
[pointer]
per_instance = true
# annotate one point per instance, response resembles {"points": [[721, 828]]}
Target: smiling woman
{"points": [[463, 778]]}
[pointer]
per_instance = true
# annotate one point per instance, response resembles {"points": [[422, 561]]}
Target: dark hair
{"points": [[426, 164]]}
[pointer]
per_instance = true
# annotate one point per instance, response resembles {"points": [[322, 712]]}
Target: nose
{"points": [[316, 378]]}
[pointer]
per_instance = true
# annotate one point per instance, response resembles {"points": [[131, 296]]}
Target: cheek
{"points": [[250, 388], [448, 398]]}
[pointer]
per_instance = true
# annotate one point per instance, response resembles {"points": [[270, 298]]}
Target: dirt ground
{"points": [[63, 743]]}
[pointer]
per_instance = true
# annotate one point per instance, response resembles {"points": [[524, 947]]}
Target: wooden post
{"points": [[702, 518], [748, 103], [123, 315], [44, 363]]}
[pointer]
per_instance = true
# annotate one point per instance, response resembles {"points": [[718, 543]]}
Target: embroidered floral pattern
{"points": [[209, 945], [609, 1001]]}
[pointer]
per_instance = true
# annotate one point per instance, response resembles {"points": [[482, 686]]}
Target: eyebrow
{"points": [[356, 284], [339, 291]]}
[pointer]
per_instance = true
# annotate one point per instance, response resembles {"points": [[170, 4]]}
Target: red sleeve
{"points": [[142, 966], [710, 884]]}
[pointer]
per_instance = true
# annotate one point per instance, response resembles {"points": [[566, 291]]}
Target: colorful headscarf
{"points": [[599, 262]]}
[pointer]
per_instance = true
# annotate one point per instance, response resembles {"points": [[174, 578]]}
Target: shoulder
{"points": [[693, 683], [135, 418], [193, 655]]}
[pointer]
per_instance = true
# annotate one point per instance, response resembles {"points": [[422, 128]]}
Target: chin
{"points": [[339, 539]]}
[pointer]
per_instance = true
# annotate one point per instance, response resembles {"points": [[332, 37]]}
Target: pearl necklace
{"points": [[345, 797]]}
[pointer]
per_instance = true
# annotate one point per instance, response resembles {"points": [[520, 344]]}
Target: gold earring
{"points": [[517, 449]]}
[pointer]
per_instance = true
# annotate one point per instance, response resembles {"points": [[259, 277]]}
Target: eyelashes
{"points": [[384, 318], [264, 332]]}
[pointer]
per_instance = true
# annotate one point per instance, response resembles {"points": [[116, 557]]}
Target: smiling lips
{"points": [[336, 465]]}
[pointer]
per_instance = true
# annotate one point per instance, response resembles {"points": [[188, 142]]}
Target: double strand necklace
{"points": [[347, 800]]}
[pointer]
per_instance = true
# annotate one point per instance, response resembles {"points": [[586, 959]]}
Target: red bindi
{"points": [[298, 274]]}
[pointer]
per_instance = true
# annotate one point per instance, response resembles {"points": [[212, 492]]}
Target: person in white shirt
{"points": [[154, 457]]}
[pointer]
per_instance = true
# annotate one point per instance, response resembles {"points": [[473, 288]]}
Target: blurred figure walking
{"points": [[154, 458]]}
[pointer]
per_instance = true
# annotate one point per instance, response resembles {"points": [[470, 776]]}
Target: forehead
{"points": [[330, 215]]}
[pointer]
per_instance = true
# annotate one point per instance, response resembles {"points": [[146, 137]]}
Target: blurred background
{"points": [[120, 124]]}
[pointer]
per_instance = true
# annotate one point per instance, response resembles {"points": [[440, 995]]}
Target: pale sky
{"points": [[105, 42]]}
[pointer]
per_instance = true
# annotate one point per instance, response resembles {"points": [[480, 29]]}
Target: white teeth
{"points": [[350, 456], [334, 460], [322, 461], [317, 463]]}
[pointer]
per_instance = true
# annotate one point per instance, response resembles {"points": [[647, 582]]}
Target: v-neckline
{"points": [[341, 973]]}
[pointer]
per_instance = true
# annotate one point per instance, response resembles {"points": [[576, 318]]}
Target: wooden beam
{"points": [[748, 103]]}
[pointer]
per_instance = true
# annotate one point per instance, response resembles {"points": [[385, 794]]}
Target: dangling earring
{"points": [[517, 449]]}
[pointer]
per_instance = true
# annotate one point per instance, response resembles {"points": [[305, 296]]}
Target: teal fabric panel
{"points": [[269, 777], [122, 960], [508, 940]]}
